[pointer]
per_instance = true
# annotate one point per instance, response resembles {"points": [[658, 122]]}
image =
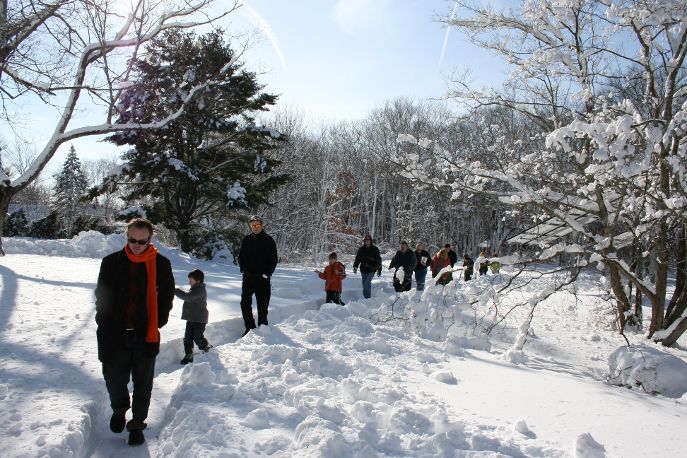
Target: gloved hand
{"points": [[379, 273], [355, 270]]}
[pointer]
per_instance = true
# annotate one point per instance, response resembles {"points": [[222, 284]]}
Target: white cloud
{"points": [[361, 15]]}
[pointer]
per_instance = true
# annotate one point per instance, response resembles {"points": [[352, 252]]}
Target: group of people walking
{"points": [[134, 295], [407, 263], [135, 290]]}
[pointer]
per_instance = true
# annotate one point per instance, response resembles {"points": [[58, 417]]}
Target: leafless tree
{"points": [[75, 55]]}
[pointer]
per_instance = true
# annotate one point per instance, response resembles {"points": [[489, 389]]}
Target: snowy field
{"points": [[324, 380]]}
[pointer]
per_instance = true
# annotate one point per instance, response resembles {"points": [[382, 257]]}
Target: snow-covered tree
{"points": [[611, 166], [69, 192], [208, 161], [53, 52]]}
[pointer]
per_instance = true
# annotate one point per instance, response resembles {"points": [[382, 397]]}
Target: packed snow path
{"points": [[321, 383]]}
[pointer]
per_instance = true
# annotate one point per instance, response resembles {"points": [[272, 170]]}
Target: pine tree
{"points": [[210, 160], [70, 188], [16, 225]]}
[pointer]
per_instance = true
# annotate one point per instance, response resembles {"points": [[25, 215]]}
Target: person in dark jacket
{"points": [[423, 260], [469, 266], [134, 295], [452, 256], [404, 259], [257, 261], [195, 312], [370, 261]]}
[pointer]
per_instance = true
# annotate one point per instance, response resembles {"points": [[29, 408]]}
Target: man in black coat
{"points": [[404, 259], [452, 256], [469, 266], [370, 261], [257, 261], [134, 295]]}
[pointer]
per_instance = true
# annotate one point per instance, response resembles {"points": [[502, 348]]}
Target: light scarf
{"points": [[148, 257]]}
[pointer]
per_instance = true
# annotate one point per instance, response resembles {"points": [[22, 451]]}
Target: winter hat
{"points": [[256, 218]]}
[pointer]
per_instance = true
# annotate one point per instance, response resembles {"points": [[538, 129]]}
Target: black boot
{"points": [[117, 421], [187, 359], [136, 437]]}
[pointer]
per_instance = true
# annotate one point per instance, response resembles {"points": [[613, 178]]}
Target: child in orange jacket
{"points": [[333, 276]]}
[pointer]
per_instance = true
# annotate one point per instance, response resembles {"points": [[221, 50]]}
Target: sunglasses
{"points": [[138, 242]]}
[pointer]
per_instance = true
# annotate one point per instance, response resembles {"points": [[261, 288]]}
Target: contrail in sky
{"points": [[265, 28], [448, 31]]}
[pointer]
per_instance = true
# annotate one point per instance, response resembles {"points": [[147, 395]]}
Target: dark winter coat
{"points": [[469, 265], [403, 260], [111, 297], [418, 257], [453, 257], [369, 260], [195, 308], [258, 255]]}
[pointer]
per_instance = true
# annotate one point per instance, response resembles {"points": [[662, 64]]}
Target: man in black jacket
{"points": [[257, 261], [134, 295], [404, 259], [370, 261], [452, 256]]}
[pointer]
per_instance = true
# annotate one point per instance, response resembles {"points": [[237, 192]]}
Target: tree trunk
{"points": [[622, 303], [676, 332], [6, 193], [678, 301]]}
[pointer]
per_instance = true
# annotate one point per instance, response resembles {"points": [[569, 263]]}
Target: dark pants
{"points": [[420, 276], [130, 362], [194, 333], [367, 284], [334, 297], [400, 287], [261, 288]]}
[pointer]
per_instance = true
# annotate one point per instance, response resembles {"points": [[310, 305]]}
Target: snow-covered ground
{"points": [[323, 380]]}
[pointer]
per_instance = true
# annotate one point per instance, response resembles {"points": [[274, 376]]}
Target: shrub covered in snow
{"points": [[648, 369]]}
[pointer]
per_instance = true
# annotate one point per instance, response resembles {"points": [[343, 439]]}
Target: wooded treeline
{"points": [[346, 181]]}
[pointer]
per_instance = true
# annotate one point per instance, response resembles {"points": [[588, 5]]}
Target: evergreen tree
{"points": [[70, 188], [17, 225], [46, 228], [211, 159]]}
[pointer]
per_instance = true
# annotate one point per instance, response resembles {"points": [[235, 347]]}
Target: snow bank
{"points": [[87, 244], [648, 369], [326, 383]]}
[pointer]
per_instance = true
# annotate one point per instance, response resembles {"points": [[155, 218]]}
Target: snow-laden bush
{"points": [[443, 313], [648, 369]]}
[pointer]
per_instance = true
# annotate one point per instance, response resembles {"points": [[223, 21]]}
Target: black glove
{"points": [[379, 273], [355, 270]]}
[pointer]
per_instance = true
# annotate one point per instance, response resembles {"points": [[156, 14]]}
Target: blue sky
{"points": [[339, 59]]}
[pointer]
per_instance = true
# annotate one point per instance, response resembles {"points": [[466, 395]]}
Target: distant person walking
{"points": [[333, 277], [133, 298], [482, 263], [422, 262], [370, 261], [468, 266], [404, 259], [452, 256], [257, 261], [195, 312], [440, 261]]}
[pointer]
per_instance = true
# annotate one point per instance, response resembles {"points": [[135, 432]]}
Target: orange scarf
{"points": [[148, 256]]}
